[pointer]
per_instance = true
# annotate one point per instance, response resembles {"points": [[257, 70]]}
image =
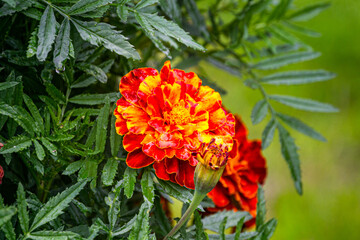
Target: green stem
{"points": [[198, 197]]}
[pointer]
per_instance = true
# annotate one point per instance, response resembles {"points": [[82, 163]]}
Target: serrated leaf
{"points": [[12, 3], [115, 139], [7, 85], [89, 170], [145, 3], [59, 137], [147, 186], [53, 235], [55, 93], [129, 181], [20, 115], [304, 104], [102, 123], [73, 167], [109, 171], [46, 34], [6, 214], [122, 12], [212, 222], [301, 127], [172, 9], [16, 144], [259, 111], [196, 18], [308, 12], [104, 34], [62, 44], [267, 230], [33, 13], [268, 134], [22, 209], [200, 234], [93, 99], [302, 30], [84, 6], [8, 9], [176, 191], [40, 153], [49, 146], [286, 59], [222, 229], [260, 208], [125, 228], [140, 229], [171, 29], [239, 226], [289, 152], [279, 10], [150, 33], [114, 204], [34, 113], [94, 71], [55, 206], [160, 217], [297, 77]]}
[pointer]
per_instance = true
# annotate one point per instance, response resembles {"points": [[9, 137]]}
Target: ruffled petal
{"points": [[120, 125], [137, 159], [132, 141], [219, 196], [129, 84], [147, 86], [136, 120], [183, 153], [160, 170], [153, 151], [172, 165], [169, 140]]}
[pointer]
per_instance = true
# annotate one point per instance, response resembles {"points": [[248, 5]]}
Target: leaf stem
{"points": [[198, 197]]}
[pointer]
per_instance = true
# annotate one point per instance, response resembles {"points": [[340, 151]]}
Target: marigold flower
{"points": [[165, 117], [246, 167]]}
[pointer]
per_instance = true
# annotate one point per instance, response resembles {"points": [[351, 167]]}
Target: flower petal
{"points": [[132, 141], [183, 153], [219, 196], [136, 120], [153, 151], [172, 165], [137, 159], [160, 170]]}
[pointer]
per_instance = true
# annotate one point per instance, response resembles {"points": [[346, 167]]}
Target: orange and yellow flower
{"points": [[164, 118], [246, 167]]}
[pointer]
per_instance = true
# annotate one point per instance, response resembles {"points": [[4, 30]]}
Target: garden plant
{"points": [[108, 115]]}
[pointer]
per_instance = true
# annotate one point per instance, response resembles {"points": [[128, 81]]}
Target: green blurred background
{"points": [[330, 206]]}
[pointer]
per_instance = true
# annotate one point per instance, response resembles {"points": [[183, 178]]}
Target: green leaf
{"points": [[222, 228], [171, 29], [55, 93], [16, 144], [73, 167], [7, 85], [147, 186], [239, 226], [308, 12], [196, 18], [129, 181], [102, 123], [46, 34], [125, 228], [59, 137], [104, 34], [114, 204], [40, 153], [279, 10], [145, 3], [297, 77], [89, 170], [94, 71], [115, 139], [8, 9], [268, 134], [162, 222], [289, 152], [22, 209], [300, 29], [212, 222], [49, 146], [176, 191], [62, 44], [200, 234], [109, 171], [6, 214], [122, 12], [303, 104], [20, 115], [286, 59], [259, 111], [260, 208], [53, 235], [84, 6], [55, 206], [267, 230], [12, 3], [33, 13], [150, 33], [301, 127], [93, 99], [39, 123], [140, 229]]}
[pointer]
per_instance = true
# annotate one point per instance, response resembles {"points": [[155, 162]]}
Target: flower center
{"points": [[178, 115]]}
